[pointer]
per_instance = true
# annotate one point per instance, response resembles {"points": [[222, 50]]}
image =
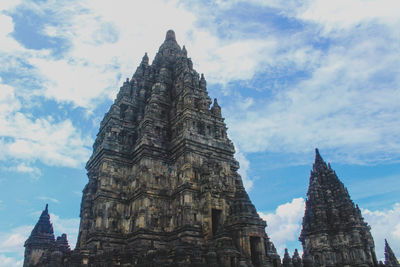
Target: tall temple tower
{"points": [[164, 189], [334, 231], [163, 184]]}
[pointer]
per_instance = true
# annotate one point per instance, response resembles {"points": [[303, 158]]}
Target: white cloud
{"points": [[284, 224], [106, 50], [10, 262], [7, 43], [345, 14], [244, 168], [77, 82], [111, 44], [8, 5], [28, 139], [384, 224], [348, 104], [13, 241], [23, 167]]}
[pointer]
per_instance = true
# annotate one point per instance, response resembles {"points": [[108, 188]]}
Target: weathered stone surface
{"points": [[164, 189], [41, 244], [41, 239], [334, 231], [287, 260], [390, 258], [163, 184]]}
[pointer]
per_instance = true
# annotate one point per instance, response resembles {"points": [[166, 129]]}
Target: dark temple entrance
{"points": [[254, 250], [216, 220]]}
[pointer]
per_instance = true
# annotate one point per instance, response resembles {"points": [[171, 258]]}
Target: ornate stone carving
{"points": [[334, 232]]}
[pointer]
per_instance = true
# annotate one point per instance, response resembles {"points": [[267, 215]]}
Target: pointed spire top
{"points": [[390, 258], [170, 35], [43, 232], [296, 253], [145, 59], [202, 82], [319, 162], [318, 155], [216, 109], [287, 260], [184, 51]]}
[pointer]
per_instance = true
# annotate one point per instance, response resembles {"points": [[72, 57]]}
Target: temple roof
{"points": [[390, 258], [328, 204], [43, 232]]}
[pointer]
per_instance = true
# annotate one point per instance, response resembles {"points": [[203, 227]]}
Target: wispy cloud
{"points": [[341, 15], [44, 198], [243, 170], [347, 104], [23, 167], [23, 137], [13, 241]]}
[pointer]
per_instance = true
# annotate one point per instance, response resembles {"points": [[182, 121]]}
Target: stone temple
{"points": [[164, 189]]}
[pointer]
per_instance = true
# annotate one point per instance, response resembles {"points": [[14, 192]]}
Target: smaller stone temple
{"points": [[334, 232], [41, 244], [390, 258]]}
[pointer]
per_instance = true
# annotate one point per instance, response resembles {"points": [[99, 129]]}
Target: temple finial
{"points": [[317, 155], [184, 51], [319, 162], [216, 109], [145, 59], [170, 35], [287, 260], [202, 82]]}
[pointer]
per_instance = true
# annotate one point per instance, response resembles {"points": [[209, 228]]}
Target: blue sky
{"points": [[290, 76]]}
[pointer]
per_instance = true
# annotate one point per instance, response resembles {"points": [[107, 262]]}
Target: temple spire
{"points": [[202, 82], [184, 51], [318, 157], [329, 213], [170, 36], [296, 260], [216, 109], [390, 258], [44, 226], [287, 260], [319, 163], [145, 59], [41, 238]]}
